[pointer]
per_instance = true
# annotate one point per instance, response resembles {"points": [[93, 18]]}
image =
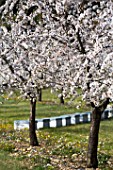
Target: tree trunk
{"points": [[32, 133], [92, 161], [93, 139], [61, 100], [40, 95], [61, 97]]}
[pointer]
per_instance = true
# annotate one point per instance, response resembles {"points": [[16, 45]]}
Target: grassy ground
{"points": [[15, 109], [63, 148]]}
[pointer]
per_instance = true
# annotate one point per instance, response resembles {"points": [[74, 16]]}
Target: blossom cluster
{"points": [[63, 44]]}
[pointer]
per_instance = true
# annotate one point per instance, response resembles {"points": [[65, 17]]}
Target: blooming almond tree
{"points": [[18, 72], [23, 54], [91, 50], [82, 35]]}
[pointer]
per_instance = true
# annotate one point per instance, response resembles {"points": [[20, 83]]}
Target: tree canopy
{"points": [[60, 44]]}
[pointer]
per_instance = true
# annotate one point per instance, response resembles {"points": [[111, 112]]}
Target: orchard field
{"points": [[63, 45], [60, 148]]}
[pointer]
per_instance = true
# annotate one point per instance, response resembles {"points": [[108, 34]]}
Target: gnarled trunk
{"points": [[92, 161], [32, 133]]}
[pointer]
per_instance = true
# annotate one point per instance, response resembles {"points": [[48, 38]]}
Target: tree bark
{"points": [[61, 97], [32, 133], [92, 161], [82, 49], [61, 100], [40, 95]]}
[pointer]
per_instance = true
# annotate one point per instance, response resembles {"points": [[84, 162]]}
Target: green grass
{"points": [[64, 146], [14, 109], [7, 163]]}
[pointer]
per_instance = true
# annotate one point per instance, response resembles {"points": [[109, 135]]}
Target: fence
{"points": [[64, 120]]}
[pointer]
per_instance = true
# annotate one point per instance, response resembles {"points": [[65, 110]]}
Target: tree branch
{"points": [[80, 42]]}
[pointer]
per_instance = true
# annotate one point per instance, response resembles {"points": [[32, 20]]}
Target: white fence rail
{"points": [[64, 120]]}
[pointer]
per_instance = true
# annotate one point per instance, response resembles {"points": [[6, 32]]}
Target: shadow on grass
{"points": [[10, 118], [18, 116], [14, 107]]}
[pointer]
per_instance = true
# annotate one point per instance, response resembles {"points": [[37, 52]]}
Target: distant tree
{"points": [[61, 97], [40, 95]]}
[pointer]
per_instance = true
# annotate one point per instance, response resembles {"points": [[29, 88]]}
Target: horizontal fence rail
{"points": [[64, 120]]}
